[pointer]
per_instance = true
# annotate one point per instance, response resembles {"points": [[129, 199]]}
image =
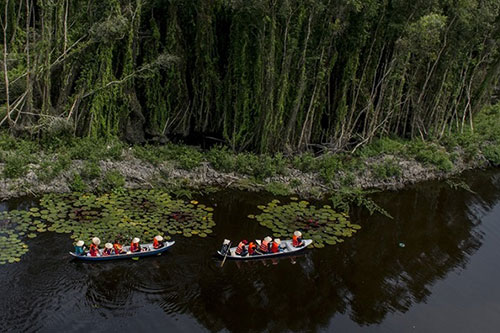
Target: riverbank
{"points": [[84, 164]]}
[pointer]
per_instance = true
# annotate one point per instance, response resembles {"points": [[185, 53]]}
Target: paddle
{"points": [[225, 256]]}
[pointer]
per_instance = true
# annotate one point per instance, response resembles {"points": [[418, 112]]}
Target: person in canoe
{"points": [[135, 246], [94, 248], [108, 249], [241, 250], [275, 247], [80, 248], [225, 247], [158, 242], [297, 239], [252, 249], [118, 247], [265, 245]]}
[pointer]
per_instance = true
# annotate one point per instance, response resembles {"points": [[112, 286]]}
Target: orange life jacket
{"points": [[251, 248], [296, 240], [275, 248], [157, 244], [239, 249], [135, 247], [94, 250], [118, 248], [264, 246]]}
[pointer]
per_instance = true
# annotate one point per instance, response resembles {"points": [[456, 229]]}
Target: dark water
{"points": [[445, 279]]}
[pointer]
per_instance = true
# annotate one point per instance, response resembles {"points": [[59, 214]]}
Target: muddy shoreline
{"points": [[139, 174]]}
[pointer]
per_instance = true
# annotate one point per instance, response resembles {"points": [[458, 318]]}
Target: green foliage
{"points": [[78, 184], [50, 169], [492, 154], [430, 154], [112, 180], [147, 154], [305, 162], [16, 166], [387, 169], [91, 170], [345, 197], [222, 159], [278, 189]]}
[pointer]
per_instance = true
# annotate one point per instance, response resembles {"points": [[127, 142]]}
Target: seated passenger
{"points": [[241, 250], [158, 242], [108, 249], [80, 248], [297, 239], [94, 248], [264, 245], [252, 247], [118, 247], [275, 247], [135, 246]]}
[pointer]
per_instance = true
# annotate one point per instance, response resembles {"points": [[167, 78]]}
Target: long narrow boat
{"points": [[147, 250], [288, 249]]}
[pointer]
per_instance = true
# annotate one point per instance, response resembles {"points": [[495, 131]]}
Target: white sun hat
{"points": [[108, 245], [80, 243], [268, 239], [226, 241], [277, 241], [159, 238], [297, 233], [135, 240], [96, 241]]}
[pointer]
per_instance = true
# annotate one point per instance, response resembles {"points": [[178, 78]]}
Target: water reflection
{"points": [[366, 278]]}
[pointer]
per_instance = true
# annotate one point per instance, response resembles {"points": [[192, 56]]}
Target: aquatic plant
{"points": [[323, 225], [118, 215]]}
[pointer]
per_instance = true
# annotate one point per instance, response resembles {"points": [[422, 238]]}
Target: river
{"points": [[444, 278]]}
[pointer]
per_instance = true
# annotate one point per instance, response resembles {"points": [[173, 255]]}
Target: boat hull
{"points": [[289, 250], [150, 252]]}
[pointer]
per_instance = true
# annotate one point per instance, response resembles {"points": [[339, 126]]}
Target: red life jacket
{"points": [[157, 244], [275, 248], [118, 248], [239, 249], [94, 250], [264, 246], [251, 248], [296, 241], [134, 247]]}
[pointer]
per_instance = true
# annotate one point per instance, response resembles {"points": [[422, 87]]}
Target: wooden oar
{"points": [[225, 256]]}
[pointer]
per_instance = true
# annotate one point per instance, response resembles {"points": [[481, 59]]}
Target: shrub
{"points": [[329, 165], [278, 189], [492, 154], [91, 170], [222, 159], [77, 184], [305, 162], [16, 165], [51, 169], [190, 159], [387, 169], [113, 179], [430, 154], [148, 154]]}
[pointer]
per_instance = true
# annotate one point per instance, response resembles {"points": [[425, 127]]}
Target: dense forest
{"points": [[261, 75]]}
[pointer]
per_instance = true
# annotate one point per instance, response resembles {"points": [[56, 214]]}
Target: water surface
{"points": [[444, 279]]}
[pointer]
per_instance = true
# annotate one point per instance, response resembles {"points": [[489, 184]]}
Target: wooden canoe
{"points": [[288, 249], [150, 251]]}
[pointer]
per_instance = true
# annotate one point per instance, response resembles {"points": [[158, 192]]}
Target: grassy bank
{"points": [[85, 164]]}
